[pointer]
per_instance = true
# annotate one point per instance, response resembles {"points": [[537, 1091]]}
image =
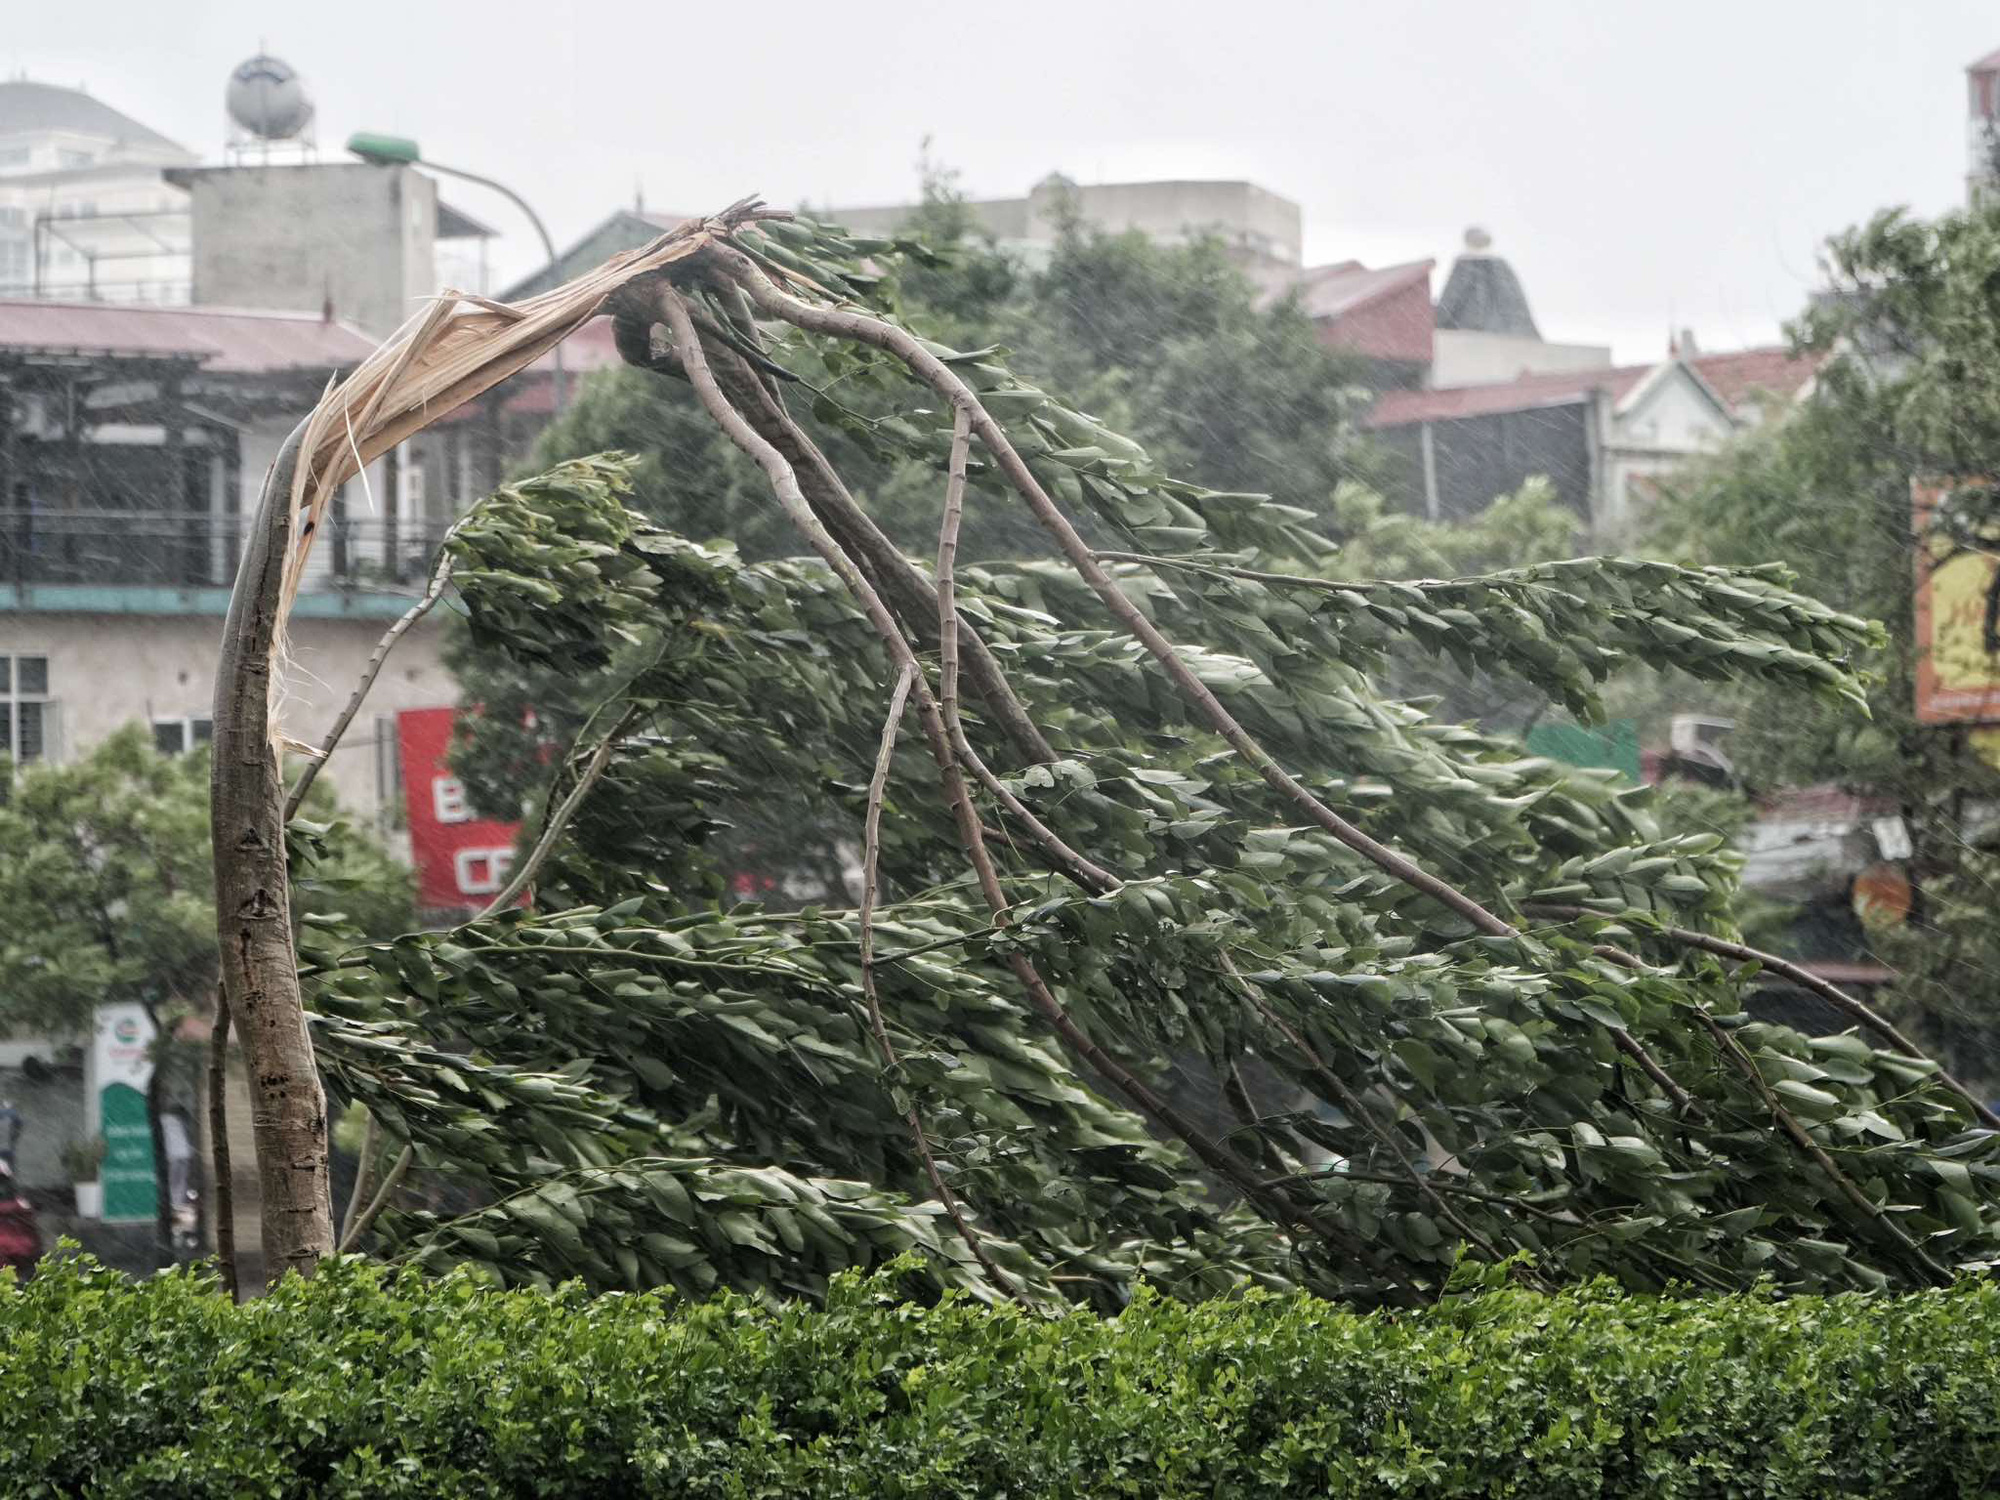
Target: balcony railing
{"points": [[171, 549]]}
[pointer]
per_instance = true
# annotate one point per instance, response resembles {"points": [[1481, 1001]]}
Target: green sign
{"points": [[129, 1190]]}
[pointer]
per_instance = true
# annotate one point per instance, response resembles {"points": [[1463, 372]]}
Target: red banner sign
{"points": [[461, 860]]}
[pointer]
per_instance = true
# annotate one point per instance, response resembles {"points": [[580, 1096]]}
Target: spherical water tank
{"points": [[268, 99]]}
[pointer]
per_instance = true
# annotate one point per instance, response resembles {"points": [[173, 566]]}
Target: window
{"points": [[69, 158], [178, 736], [26, 715], [13, 156], [12, 217]]}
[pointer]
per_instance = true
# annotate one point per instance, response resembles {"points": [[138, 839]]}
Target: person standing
{"points": [[179, 1149]]}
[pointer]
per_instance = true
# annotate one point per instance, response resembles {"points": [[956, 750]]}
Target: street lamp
{"points": [[400, 151]]}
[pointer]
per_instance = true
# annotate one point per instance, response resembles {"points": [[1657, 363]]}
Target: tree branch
{"points": [[1812, 1148], [1805, 979], [1787, 1122], [1352, 1103], [364, 1169], [871, 850], [859, 327], [358, 1227], [439, 578], [912, 599], [785, 486], [559, 819]]}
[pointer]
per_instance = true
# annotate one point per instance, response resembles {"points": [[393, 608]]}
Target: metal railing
{"points": [[183, 549], [145, 291]]}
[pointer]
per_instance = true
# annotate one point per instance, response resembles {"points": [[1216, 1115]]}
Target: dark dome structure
{"points": [[1483, 295]]}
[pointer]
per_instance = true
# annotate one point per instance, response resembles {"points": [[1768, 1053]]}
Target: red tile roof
{"points": [[1990, 63], [1734, 377], [1333, 291], [224, 340], [1749, 371], [1401, 408]]}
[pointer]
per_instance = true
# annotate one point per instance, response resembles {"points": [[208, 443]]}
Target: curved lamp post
{"points": [[400, 151]]}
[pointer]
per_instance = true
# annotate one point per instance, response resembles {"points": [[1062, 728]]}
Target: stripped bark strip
{"points": [[855, 326], [785, 486], [871, 850]]}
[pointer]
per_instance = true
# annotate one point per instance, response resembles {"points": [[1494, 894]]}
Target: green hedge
{"points": [[366, 1383]]}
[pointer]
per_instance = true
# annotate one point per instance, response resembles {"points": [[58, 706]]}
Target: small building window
{"points": [[66, 157], [26, 714], [178, 736]]}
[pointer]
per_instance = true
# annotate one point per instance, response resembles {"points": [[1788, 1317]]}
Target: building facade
{"points": [[85, 210], [1603, 438], [133, 446]]}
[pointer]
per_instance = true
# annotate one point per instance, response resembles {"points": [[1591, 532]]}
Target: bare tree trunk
{"points": [[253, 900]]}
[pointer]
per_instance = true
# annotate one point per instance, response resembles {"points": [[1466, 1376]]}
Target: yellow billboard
{"points": [[1958, 619]]}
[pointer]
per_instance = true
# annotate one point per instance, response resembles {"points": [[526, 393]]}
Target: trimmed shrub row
{"points": [[368, 1382]]}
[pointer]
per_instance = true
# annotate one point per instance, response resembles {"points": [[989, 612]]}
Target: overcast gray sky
{"points": [[1636, 161]]}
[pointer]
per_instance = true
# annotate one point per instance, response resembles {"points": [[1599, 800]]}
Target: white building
{"points": [[1603, 438], [84, 209], [133, 445]]}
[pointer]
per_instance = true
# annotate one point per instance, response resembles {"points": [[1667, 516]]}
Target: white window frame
{"points": [[12, 696], [185, 724]]}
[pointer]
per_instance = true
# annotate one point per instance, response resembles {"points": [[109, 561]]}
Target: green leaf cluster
{"points": [[1430, 1088], [366, 1382]]}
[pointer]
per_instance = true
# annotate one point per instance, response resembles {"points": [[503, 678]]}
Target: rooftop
{"points": [[1336, 290], [224, 340], [1483, 295], [1734, 377], [26, 106]]}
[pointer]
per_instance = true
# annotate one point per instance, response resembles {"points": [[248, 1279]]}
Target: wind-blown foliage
{"points": [[1413, 1076], [1908, 346]]}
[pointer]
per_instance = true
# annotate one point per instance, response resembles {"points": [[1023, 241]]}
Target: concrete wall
{"points": [[291, 237], [1264, 229], [1465, 357], [1247, 217], [110, 670], [1472, 461], [1661, 427]]}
